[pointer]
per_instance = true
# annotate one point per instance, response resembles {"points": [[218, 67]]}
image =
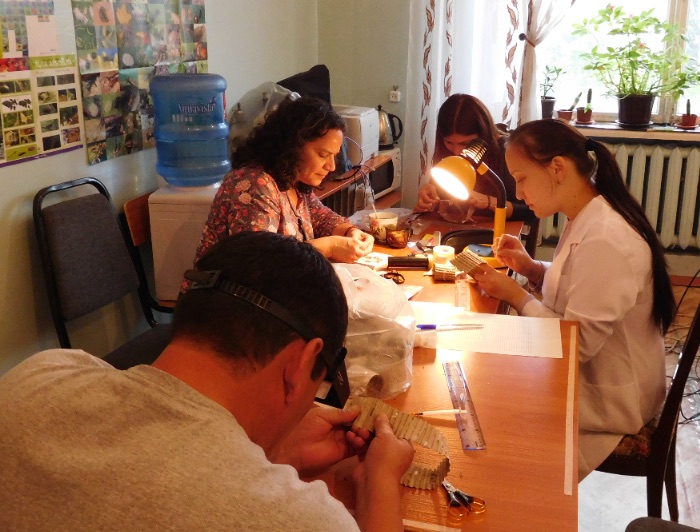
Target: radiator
{"points": [[665, 181], [348, 200]]}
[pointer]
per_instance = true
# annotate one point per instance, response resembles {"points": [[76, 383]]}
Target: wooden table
{"points": [[527, 409]]}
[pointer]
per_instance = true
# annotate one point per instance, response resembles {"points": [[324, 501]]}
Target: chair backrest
{"points": [[137, 221], [85, 259], [666, 429]]}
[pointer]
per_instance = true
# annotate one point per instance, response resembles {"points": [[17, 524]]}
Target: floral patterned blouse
{"points": [[249, 200]]}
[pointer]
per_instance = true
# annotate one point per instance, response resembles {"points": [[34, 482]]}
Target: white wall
{"points": [[364, 43], [249, 42], [252, 41]]}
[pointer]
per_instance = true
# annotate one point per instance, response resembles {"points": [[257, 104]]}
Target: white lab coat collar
{"points": [[572, 235]]}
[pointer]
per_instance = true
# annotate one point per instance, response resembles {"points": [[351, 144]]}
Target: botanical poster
{"points": [[121, 45]]}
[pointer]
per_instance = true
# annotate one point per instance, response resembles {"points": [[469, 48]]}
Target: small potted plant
{"points": [[688, 119], [566, 114], [584, 114], [551, 73]]}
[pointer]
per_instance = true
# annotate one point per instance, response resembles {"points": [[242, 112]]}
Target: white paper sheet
{"points": [[42, 36], [508, 335]]}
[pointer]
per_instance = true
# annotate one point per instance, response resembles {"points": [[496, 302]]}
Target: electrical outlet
{"points": [[394, 96]]}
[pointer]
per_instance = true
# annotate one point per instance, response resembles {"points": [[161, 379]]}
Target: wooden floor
{"points": [[609, 502]]}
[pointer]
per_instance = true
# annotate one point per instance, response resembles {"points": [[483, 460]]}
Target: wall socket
{"points": [[394, 96]]}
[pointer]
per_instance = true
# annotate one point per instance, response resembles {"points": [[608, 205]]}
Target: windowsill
{"points": [[612, 132]]}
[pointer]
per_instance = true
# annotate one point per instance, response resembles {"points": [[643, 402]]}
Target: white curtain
{"points": [[429, 83], [540, 17], [480, 30], [470, 46]]}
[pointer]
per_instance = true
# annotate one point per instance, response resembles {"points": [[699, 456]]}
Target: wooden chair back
{"points": [[657, 439]]}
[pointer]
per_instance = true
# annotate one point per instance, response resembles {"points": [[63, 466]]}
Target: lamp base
{"points": [[461, 238], [486, 253]]}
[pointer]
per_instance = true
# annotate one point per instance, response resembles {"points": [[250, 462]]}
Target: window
{"points": [[560, 48]]}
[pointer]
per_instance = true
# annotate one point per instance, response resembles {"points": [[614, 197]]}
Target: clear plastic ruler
{"points": [[468, 423]]}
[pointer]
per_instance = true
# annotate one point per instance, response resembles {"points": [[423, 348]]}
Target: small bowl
{"points": [[398, 238]]}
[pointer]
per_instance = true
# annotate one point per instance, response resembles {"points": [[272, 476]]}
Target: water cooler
{"points": [[191, 136], [178, 215]]}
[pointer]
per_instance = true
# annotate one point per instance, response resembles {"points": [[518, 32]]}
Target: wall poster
{"points": [[40, 107], [121, 45]]}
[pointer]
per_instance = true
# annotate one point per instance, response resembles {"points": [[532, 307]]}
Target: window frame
{"points": [[664, 106]]}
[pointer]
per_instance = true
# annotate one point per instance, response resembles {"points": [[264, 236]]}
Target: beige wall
{"points": [[364, 43], [249, 42]]}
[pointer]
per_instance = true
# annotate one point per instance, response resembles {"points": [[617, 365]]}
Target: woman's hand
{"points": [[510, 251], [322, 438], [428, 198], [479, 201], [456, 212], [352, 247], [500, 286]]}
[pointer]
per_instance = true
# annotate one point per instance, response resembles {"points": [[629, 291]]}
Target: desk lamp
{"points": [[457, 176]]}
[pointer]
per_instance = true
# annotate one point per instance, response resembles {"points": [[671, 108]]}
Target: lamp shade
{"points": [[455, 175]]}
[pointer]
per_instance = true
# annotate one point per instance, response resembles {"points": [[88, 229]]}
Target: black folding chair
{"points": [[87, 266]]}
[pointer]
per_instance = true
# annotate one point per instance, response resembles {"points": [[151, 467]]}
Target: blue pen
{"points": [[448, 326]]}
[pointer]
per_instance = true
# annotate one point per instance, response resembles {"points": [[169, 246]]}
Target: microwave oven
{"points": [[361, 132], [386, 177]]}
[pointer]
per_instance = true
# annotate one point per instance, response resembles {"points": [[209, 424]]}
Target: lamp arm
{"points": [[483, 170], [474, 152], [499, 221]]}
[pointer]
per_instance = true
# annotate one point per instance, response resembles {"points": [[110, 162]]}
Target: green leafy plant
{"points": [[551, 74], [625, 64]]}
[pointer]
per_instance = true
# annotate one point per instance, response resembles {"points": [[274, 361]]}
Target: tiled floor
{"points": [[608, 502]]}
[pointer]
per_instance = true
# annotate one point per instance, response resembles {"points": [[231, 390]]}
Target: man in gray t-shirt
{"points": [[216, 433]]}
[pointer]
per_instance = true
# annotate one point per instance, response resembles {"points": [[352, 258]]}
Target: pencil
{"points": [[439, 412]]}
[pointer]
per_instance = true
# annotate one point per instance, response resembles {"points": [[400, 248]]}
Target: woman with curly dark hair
{"points": [[270, 187]]}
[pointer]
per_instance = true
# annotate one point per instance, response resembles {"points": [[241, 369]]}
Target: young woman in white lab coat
{"points": [[608, 273]]}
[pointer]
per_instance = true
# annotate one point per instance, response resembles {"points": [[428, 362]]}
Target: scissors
{"points": [[457, 499], [395, 276]]}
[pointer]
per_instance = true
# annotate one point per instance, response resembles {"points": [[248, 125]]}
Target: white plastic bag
{"points": [[381, 331], [252, 109]]}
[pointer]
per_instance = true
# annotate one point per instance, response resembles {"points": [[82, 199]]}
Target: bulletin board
{"points": [[121, 45], [98, 96]]}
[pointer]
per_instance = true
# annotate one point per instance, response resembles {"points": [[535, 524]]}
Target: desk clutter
{"points": [[446, 266]]}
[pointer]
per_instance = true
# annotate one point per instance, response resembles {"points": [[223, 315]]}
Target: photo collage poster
{"points": [[40, 108], [121, 45]]}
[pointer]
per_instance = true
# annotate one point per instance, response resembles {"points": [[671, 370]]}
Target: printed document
{"points": [[487, 333]]}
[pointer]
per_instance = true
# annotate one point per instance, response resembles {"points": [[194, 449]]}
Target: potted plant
{"points": [[566, 114], [584, 114], [629, 68], [551, 74], [688, 119]]}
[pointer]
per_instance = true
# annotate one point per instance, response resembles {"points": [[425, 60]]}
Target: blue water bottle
{"points": [[191, 131]]}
